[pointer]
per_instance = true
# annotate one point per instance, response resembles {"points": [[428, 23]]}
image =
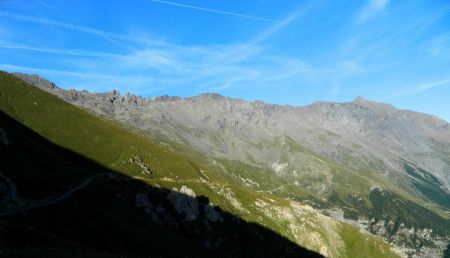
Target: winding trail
{"points": [[62, 197]]}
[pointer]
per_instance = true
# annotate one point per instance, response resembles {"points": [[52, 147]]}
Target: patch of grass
{"points": [[373, 247]]}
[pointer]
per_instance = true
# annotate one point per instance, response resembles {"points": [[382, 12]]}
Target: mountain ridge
{"points": [[363, 115], [339, 153], [37, 80]]}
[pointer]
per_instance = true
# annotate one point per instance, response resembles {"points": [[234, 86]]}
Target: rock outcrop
{"points": [[184, 202]]}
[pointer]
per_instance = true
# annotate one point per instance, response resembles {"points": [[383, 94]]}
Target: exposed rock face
{"points": [[211, 214], [142, 201], [184, 202], [37, 81], [165, 98]]}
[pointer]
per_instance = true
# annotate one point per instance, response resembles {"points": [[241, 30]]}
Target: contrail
{"points": [[212, 10], [61, 51], [58, 24], [424, 87], [8, 67], [69, 26]]}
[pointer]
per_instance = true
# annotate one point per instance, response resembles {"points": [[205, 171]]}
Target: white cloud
{"points": [[372, 8]]}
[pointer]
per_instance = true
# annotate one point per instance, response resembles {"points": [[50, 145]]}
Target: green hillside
{"points": [[57, 147]]}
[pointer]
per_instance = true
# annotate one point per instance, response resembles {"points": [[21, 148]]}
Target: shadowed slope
{"points": [[161, 165], [64, 204]]}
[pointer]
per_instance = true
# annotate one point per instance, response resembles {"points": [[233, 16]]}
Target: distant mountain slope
{"points": [[374, 134], [75, 184], [341, 158]]}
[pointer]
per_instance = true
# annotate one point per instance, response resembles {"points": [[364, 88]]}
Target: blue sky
{"points": [[286, 52]]}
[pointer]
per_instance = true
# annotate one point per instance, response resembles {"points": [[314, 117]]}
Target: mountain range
{"points": [[338, 179]]}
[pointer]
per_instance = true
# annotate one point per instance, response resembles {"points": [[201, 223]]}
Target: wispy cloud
{"points": [[355, 56], [69, 52], [160, 69], [98, 82], [243, 51], [421, 25], [387, 43], [10, 67], [111, 36], [157, 50], [418, 89], [135, 59], [427, 86], [212, 10], [207, 68], [372, 8], [439, 45], [342, 71], [287, 20]]}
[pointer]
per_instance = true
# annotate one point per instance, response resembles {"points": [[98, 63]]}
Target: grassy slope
{"points": [[101, 219], [348, 182], [116, 147]]}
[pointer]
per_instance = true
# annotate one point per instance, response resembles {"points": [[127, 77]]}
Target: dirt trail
{"points": [[62, 197]]}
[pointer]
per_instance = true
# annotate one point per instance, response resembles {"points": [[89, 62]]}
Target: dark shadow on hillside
{"points": [[447, 251], [56, 203]]}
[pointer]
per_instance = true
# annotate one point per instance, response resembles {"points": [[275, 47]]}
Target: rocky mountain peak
{"points": [[360, 100], [37, 80], [166, 98], [208, 96]]}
